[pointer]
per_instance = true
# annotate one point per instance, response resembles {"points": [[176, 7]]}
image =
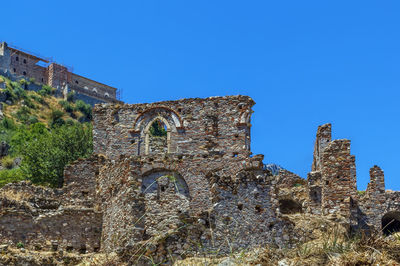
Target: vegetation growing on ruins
{"points": [[42, 133], [157, 129]]}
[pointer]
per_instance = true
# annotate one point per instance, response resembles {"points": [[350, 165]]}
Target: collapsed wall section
{"points": [[80, 181], [34, 217]]}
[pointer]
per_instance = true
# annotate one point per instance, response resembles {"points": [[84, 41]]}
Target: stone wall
{"points": [[198, 190], [244, 211], [223, 199], [332, 188], [336, 178], [324, 136], [80, 181], [217, 125], [35, 217]]}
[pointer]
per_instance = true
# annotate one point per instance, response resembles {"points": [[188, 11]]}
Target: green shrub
{"points": [[46, 152], [56, 118], [86, 109], [156, 129], [32, 80], [7, 123], [32, 120], [23, 82], [28, 102], [11, 176], [55, 114], [67, 106], [7, 162], [23, 114], [37, 98], [46, 90], [71, 96], [70, 122], [20, 245]]}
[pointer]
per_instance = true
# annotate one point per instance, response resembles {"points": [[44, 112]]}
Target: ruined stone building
{"points": [[196, 187], [17, 64]]}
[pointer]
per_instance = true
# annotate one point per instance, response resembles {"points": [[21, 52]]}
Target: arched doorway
{"points": [[391, 222]]}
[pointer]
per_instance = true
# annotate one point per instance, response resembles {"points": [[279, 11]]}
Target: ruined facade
{"points": [[177, 178], [17, 64]]}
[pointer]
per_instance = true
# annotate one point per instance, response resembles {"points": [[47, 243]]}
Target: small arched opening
{"points": [[391, 222], [164, 181], [157, 136], [289, 206]]}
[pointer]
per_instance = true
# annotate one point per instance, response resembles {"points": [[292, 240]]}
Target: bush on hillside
{"points": [[7, 162], [66, 106], [86, 110], [46, 90], [10, 176], [23, 114], [71, 96], [46, 152], [56, 118]]}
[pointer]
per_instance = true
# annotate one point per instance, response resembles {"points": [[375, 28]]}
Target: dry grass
{"points": [[329, 245], [17, 196], [43, 111]]}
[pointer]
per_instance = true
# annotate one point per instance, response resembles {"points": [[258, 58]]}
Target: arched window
{"points": [[106, 94], [94, 90], [86, 88], [157, 136]]}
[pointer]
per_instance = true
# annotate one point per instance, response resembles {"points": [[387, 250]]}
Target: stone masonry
{"points": [[196, 189], [17, 64]]}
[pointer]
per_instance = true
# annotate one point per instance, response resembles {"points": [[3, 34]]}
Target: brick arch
{"points": [[150, 181], [161, 111]]}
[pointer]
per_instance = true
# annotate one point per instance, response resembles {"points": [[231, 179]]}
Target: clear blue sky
{"points": [[305, 63]]}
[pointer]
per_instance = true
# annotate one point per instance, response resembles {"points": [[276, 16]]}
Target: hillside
{"points": [[40, 133]]}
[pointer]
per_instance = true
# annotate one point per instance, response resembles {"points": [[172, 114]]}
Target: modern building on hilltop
{"points": [[16, 64]]}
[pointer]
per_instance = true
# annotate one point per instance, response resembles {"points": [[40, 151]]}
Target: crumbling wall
{"points": [[244, 211], [372, 203], [122, 203], [80, 180], [332, 188], [217, 125], [379, 209], [32, 216], [145, 198], [336, 178], [324, 137]]}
